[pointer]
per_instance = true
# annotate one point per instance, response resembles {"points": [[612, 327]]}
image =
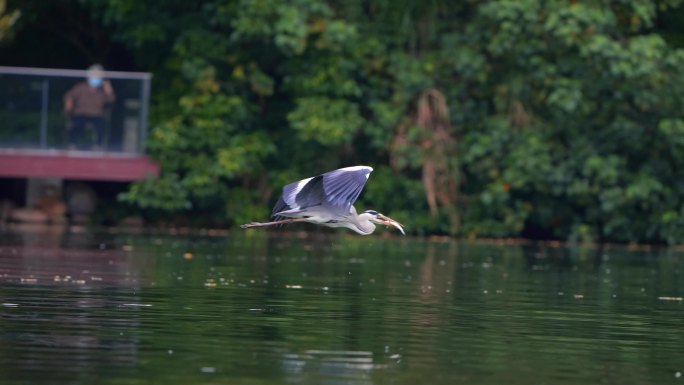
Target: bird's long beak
{"points": [[387, 221]]}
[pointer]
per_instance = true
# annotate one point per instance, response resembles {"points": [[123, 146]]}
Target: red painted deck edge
{"points": [[79, 166]]}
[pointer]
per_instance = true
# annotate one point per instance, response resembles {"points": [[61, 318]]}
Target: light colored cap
{"points": [[95, 71]]}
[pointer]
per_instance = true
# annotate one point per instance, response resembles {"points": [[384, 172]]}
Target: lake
{"points": [[273, 307]]}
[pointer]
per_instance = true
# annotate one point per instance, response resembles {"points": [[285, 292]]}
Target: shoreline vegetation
{"points": [[321, 234], [490, 119]]}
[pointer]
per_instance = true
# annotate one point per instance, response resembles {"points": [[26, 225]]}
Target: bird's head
{"points": [[380, 219]]}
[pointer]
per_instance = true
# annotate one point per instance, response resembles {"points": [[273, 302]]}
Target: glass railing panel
{"points": [[33, 116]]}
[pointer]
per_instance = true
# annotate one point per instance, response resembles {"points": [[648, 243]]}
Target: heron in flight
{"points": [[328, 200]]}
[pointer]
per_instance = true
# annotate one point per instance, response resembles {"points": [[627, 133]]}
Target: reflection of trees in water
{"points": [[599, 271], [333, 309], [429, 322]]}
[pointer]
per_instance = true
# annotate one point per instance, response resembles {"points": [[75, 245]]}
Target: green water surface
{"points": [[281, 308]]}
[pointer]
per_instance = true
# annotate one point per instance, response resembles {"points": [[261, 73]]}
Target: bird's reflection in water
{"points": [[329, 367]]}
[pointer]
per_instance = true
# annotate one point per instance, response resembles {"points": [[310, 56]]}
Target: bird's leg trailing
{"points": [[264, 224]]}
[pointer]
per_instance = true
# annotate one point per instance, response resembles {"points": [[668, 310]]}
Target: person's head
{"points": [[95, 75]]}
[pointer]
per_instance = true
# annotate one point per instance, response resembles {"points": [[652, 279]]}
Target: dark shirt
{"points": [[88, 101]]}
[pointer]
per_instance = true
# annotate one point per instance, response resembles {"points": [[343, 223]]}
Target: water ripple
{"points": [[185, 310]]}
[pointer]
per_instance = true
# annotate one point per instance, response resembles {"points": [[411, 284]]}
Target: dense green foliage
{"points": [[7, 20], [567, 115]]}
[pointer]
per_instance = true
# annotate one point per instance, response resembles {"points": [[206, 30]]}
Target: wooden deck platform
{"points": [[76, 165]]}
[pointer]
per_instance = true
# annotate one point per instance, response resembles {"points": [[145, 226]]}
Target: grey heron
{"points": [[328, 200]]}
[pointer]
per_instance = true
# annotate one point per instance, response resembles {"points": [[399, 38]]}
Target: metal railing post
{"points": [[44, 113], [144, 112]]}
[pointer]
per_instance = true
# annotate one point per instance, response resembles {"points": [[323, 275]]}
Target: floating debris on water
{"points": [[8, 304], [136, 305], [187, 256], [66, 278], [670, 298], [578, 296], [293, 286], [207, 369]]}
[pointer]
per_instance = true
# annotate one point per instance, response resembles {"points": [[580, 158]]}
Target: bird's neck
{"points": [[362, 225]]}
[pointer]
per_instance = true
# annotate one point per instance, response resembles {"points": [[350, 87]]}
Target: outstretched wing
{"points": [[339, 188], [342, 187]]}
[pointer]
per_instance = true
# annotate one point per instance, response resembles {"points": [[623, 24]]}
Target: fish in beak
{"points": [[387, 221]]}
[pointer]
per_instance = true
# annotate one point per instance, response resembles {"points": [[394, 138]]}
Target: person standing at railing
{"points": [[86, 104]]}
